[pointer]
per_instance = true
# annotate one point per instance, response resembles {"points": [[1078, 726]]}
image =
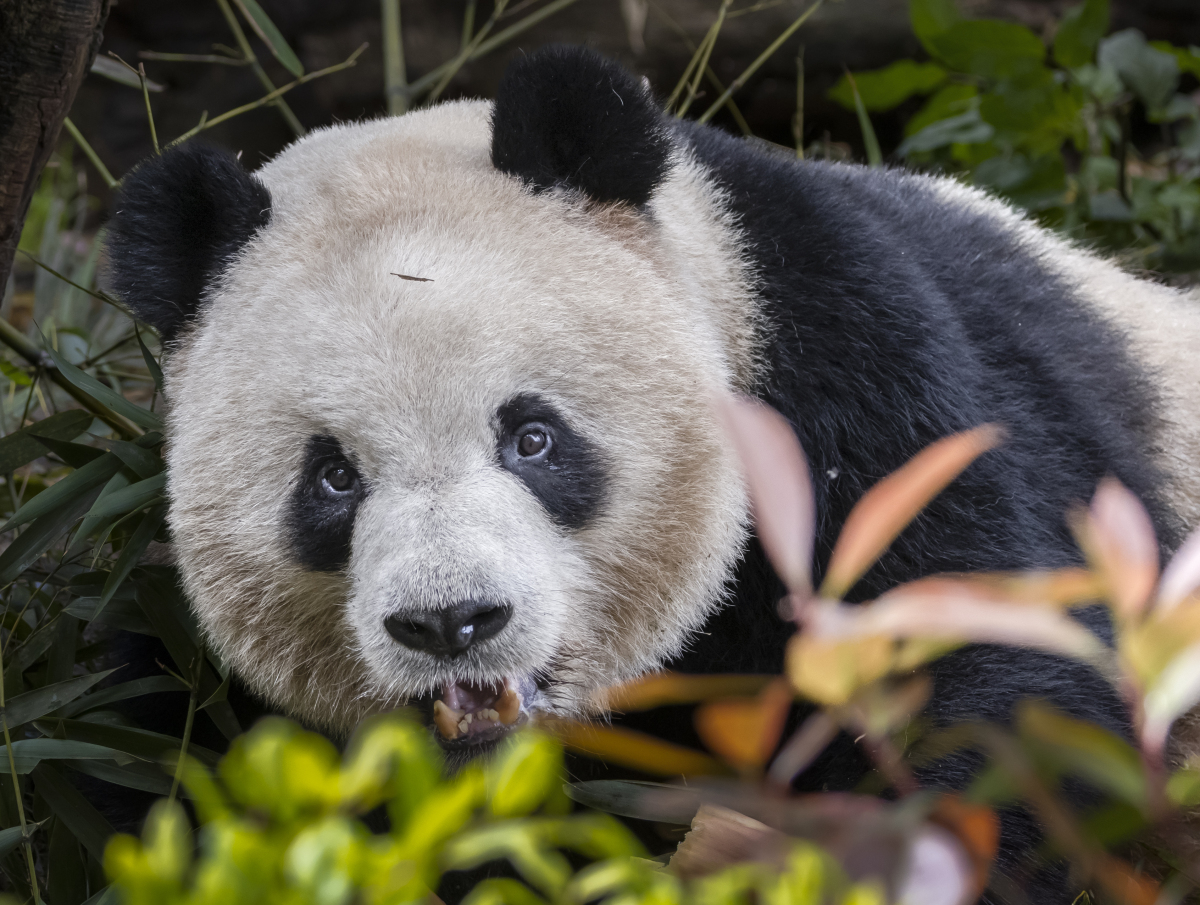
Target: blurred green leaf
{"points": [[523, 774], [15, 374], [1079, 32], [270, 35], [22, 447], [883, 89], [1187, 58], [1084, 749], [931, 19], [952, 100], [1150, 74], [966, 128], [37, 703], [86, 823], [989, 48]]}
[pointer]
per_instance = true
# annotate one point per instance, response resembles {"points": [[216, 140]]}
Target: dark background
{"points": [[855, 34]]}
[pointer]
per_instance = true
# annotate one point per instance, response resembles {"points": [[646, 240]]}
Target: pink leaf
{"points": [[1181, 577], [780, 489], [1123, 546]]}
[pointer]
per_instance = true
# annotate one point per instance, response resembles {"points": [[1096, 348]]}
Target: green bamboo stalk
{"points": [[395, 80], [431, 78], [457, 63], [12, 767], [265, 80], [90, 153], [709, 42], [206, 123], [762, 58]]}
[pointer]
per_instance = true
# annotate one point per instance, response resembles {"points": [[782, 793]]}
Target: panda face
{"points": [[493, 490]]}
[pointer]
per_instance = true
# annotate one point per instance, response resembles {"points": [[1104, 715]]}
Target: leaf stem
{"points": [[395, 79], [709, 42], [91, 154], [266, 99], [762, 58], [187, 726], [12, 767], [265, 80]]}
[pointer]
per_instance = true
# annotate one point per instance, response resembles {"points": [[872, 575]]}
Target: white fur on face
{"points": [[626, 323]]}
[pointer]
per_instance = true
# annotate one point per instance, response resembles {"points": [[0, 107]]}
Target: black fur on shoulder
{"points": [[180, 218], [566, 117]]}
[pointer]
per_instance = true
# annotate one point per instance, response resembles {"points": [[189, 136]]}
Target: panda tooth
{"points": [[508, 706], [469, 717], [446, 719], [462, 727]]}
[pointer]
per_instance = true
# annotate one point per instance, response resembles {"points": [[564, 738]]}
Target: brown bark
{"points": [[46, 48]]}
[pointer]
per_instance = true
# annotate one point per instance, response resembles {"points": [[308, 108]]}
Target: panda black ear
{"points": [[565, 116], [180, 219]]}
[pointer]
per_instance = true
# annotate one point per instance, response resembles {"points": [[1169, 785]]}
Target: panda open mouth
{"points": [[475, 713]]}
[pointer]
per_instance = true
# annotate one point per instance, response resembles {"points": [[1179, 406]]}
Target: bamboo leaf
{"points": [[37, 703], [74, 454], [271, 36], [139, 742], [144, 777], [85, 822], [1181, 577], [129, 499], [23, 446], [28, 753], [10, 839], [136, 546], [151, 363], [70, 488], [1119, 539], [137, 458], [132, 689], [38, 537], [105, 395]]}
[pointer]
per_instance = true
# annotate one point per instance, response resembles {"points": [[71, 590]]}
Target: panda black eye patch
{"points": [[560, 466], [324, 501]]}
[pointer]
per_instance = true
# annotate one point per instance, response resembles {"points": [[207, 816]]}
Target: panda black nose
{"points": [[449, 632]]}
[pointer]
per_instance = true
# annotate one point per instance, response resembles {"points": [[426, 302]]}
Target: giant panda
{"points": [[440, 395]]}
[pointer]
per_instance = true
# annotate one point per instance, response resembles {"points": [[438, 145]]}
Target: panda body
{"points": [[370, 337]]}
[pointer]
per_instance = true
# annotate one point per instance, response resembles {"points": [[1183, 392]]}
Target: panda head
{"points": [[438, 396]]}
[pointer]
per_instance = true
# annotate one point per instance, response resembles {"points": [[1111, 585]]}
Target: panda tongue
{"points": [[467, 698]]}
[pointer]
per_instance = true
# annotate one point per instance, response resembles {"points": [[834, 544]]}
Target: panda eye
{"points": [[339, 478], [532, 441]]}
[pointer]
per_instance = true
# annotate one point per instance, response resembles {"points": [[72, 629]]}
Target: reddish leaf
{"points": [[632, 749], [1181, 577], [1125, 883], [720, 838], [745, 731], [1119, 539], [890, 505], [977, 828], [662, 688], [780, 489]]}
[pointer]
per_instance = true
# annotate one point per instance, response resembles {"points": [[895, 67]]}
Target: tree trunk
{"points": [[46, 48]]}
